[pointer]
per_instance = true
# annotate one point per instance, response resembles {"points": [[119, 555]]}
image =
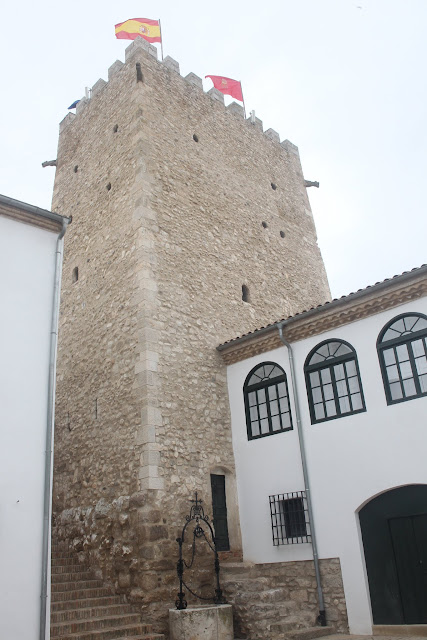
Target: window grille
{"points": [[289, 518]]}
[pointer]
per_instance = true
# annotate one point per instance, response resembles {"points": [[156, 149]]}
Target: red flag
{"points": [[228, 86]]}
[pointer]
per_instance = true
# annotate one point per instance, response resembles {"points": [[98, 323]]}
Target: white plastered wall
{"points": [[27, 262], [350, 460]]}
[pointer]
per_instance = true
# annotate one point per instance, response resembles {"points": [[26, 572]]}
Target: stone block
{"points": [[272, 134], [151, 483], [202, 623], [115, 67], [216, 95], [192, 78], [139, 44], [171, 64]]}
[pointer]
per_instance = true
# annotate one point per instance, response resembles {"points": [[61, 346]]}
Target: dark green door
{"points": [[219, 508], [394, 534], [409, 540]]}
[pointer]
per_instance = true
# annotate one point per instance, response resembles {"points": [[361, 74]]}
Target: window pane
{"points": [[275, 422], [314, 379], [330, 408], [396, 391], [286, 420], [339, 371], [409, 322], [421, 365], [316, 357], [268, 368], [409, 386], [392, 373], [398, 326], [423, 383], [254, 413], [274, 408], [326, 375], [418, 348], [282, 389], [350, 367], [420, 324], [402, 352], [284, 405], [353, 384], [342, 350], [255, 428], [272, 392], [344, 404], [328, 392], [275, 373], [389, 357], [341, 388], [252, 398], [406, 369], [319, 411], [317, 395], [264, 426], [356, 401], [261, 395], [262, 410]]}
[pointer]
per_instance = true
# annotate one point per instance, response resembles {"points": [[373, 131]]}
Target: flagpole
{"points": [[243, 100], [161, 38]]}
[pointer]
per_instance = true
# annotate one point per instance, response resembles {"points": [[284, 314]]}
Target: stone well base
{"points": [[202, 623]]}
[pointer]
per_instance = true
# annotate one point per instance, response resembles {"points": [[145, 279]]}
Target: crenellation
{"points": [[194, 79], [237, 109], [81, 105], [216, 95], [272, 134], [98, 86], [66, 121], [115, 68], [289, 146], [171, 64], [257, 124]]}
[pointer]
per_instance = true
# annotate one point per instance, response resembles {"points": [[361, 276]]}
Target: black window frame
{"points": [[330, 363], [265, 384], [408, 339]]}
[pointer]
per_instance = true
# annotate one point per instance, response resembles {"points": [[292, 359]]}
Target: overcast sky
{"points": [[344, 80]]}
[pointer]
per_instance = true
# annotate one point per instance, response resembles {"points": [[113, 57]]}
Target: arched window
{"points": [[333, 381], [402, 350], [267, 401]]}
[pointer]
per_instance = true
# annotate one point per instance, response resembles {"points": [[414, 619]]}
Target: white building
{"points": [[346, 426], [30, 269]]}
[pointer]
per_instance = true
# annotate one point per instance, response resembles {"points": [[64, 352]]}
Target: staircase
{"points": [[264, 608], [83, 608]]}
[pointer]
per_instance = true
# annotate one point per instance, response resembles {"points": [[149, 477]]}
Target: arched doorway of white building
{"points": [[394, 534]]}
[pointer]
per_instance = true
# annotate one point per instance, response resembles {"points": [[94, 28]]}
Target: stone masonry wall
{"points": [[177, 202]]}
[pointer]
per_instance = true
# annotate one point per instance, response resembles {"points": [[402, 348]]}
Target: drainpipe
{"points": [[49, 432], [322, 612]]}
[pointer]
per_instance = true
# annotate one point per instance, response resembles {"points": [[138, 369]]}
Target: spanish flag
{"points": [[143, 27]]}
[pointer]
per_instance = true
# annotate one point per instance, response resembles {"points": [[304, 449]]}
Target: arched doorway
{"points": [[394, 534]]}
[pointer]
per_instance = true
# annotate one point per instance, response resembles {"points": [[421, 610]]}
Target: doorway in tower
{"points": [[394, 534]]}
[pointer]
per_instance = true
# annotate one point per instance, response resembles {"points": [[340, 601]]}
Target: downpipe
{"points": [[49, 433], [322, 612]]}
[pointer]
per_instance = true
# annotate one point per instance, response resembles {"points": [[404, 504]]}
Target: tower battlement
{"points": [[171, 65]]}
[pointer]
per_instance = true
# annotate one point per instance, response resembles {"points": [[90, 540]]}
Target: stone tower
{"points": [[190, 224]]}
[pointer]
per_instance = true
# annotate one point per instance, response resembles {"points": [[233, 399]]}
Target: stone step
{"points": [[307, 633], [105, 601], [61, 629], [84, 612], [81, 594], [72, 586], [114, 633]]}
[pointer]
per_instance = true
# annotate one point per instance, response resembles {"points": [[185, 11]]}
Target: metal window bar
{"points": [[289, 518]]}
